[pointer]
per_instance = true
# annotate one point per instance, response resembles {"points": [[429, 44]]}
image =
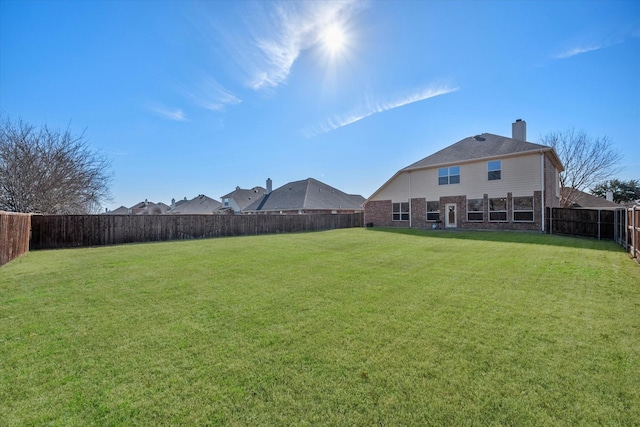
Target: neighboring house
{"points": [[148, 208], [481, 182], [197, 206], [122, 210], [305, 197], [582, 200], [238, 200]]}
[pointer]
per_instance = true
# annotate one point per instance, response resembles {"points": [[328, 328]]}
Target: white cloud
{"points": [[213, 96], [370, 108], [579, 50], [283, 31], [605, 39], [168, 113]]}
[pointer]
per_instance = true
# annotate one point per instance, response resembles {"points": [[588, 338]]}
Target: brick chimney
{"points": [[519, 130]]}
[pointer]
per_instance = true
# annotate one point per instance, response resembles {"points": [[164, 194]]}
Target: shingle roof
{"points": [[146, 207], [122, 210], [198, 205], [586, 200], [244, 198], [482, 146], [308, 194]]}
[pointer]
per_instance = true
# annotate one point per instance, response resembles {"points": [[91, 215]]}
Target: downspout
{"points": [[410, 210], [544, 207], [634, 232]]}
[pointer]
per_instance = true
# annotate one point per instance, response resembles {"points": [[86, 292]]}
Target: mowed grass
{"points": [[348, 327]]}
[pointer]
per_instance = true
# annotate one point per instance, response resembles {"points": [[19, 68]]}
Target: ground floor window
{"points": [[433, 211], [498, 209], [401, 211], [475, 210], [523, 209]]}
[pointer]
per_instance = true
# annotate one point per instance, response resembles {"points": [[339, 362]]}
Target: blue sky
{"points": [[191, 98]]}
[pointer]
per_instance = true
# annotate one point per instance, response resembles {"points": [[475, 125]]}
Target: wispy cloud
{"points": [[371, 107], [578, 50], [168, 113], [212, 96], [284, 30], [601, 39]]}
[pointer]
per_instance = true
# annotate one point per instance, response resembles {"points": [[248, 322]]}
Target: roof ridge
{"points": [[306, 193]]}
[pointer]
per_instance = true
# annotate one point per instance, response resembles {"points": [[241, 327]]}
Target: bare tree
{"points": [[49, 171], [587, 160]]}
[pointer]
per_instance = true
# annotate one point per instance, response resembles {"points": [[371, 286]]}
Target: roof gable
{"points": [[244, 197]]}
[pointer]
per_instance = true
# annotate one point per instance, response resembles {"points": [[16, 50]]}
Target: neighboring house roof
{"points": [[122, 210], [243, 197], [198, 205], [483, 146], [149, 208], [589, 201], [308, 194]]}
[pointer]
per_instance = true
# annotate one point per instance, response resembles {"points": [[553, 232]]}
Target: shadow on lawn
{"points": [[504, 236]]}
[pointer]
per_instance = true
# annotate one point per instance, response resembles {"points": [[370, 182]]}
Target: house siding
{"points": [[519, 175], [397, 189], [551, 184]]}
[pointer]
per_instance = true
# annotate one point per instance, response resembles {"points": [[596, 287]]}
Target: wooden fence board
{"points": [[633, 233], [14, 235]]}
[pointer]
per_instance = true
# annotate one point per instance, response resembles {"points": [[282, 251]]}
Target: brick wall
{"points": [[380, 214]]}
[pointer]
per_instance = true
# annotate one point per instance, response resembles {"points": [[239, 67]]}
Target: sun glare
{"points": [[334, 39]]}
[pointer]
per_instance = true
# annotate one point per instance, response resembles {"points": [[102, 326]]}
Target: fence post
{"points": [[634, 231]]}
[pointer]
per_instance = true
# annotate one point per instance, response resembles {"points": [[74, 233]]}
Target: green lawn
{"points": [[348, 327]]}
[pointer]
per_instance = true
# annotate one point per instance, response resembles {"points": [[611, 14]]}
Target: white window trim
{"points": [[506, 210], [428, 211], [482, 212], [400, 212], [532, 210], [494, 170], [448, 168]]}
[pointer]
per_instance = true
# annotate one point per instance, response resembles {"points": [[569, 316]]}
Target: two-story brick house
{"points": [[485, 181]]}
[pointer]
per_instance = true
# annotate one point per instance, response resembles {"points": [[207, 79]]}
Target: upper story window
{"points": [[450, 175], [226, 201], [401, 211], [494, 170]]}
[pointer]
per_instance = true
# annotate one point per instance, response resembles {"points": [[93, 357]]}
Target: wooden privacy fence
{"points": [[621, 225], [66, 231], [631, 239], [596, 223], [14, 235]]}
